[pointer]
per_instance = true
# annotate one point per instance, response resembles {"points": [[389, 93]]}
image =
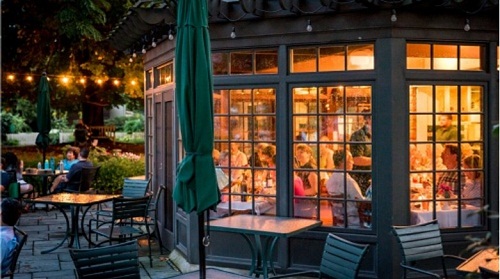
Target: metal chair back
{"points": [[21, 237], [114, 261], [341, 257], [135, 188], [421, 242]]}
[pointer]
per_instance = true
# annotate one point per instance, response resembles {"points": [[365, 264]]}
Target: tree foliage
{"points": [[67, 38]]}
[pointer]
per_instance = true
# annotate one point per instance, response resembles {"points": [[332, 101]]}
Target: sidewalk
{"points": [[46, 229]]}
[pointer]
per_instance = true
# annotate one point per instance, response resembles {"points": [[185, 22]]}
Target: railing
{"points": [[103, 132]]}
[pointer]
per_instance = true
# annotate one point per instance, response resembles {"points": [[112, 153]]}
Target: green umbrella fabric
{"points": [[196, 184], [43, 113]]}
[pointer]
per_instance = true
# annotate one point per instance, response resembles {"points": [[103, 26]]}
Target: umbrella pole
{"points": [[201, 235]]}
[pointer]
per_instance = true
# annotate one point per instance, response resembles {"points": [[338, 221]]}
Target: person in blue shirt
{"points": [[74, 173], [71, 158], [10, 214]]}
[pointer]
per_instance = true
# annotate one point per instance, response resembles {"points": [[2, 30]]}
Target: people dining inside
{"points": [[473, 189], [445, 130], [341, 184], [450, 177], [361, 149], [306, 164]]}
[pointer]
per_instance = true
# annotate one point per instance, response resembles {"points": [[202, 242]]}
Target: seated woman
{"points": [[305, 161], [473, 188], [13, 164]]}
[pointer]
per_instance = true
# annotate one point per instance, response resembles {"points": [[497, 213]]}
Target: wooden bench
{"points": [[104, 132]]}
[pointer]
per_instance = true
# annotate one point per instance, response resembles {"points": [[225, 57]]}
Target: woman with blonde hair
{"points": [[305, 161]]}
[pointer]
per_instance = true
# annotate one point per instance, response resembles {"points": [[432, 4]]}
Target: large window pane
{"points": [[245, 129], [326, 134], [446, 155]]}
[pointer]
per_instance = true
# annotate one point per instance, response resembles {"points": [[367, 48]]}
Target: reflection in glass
{"points": [[303, 60], [266, 62], [241, 62]]}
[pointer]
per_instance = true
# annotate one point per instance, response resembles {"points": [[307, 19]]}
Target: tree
{"points": [[66, 39]]}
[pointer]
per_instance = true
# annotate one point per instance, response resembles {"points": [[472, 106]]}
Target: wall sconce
{"points": [[309, 27], [467, 25], [233, 33], [394, 18]]}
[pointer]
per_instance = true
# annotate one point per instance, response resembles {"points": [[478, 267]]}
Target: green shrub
{"points": [[114, 169], [11, 142]]}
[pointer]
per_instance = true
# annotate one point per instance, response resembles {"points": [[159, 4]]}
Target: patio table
{"points": [[76, 201], [487, 258], [44, 174], [265, 230]]}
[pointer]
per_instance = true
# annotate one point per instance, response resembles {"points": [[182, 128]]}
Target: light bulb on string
{"points": [[170, 35], [467, 25], [394, 18], [153, 44], [233, 33], [309, 27], [143, 49], [131, 60]]}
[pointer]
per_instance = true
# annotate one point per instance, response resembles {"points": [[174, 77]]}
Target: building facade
{"points": [[362, 114]]}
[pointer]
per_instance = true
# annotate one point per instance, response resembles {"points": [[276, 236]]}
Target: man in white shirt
{"points": [[341, 183]]}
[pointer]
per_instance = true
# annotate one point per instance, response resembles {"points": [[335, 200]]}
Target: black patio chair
{"points": [[114, 261], [123, 225], [341, 259], [86, 182], [422, 242], [21, 240]]}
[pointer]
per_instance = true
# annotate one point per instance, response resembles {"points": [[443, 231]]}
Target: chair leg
{"points": [[158, 237]]}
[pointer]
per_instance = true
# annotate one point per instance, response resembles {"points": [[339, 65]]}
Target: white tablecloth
{"points": [[261, 206], [448, 218]]}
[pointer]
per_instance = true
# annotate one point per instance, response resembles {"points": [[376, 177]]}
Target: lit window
{"points": [[446, 154]]}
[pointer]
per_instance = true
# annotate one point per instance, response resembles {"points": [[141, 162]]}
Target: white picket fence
{"points": [[64, 137]]}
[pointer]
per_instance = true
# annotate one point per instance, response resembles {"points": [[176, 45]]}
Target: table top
{"points": [[487, 258], [264, 225], [73, 199], [43, 172]]}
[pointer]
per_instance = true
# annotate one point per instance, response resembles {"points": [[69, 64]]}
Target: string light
{"points": [[394, 18], [309, 27], [63, 79], [467, 25], [153, 43], [233, 33], [170, 35], [143, 49]]}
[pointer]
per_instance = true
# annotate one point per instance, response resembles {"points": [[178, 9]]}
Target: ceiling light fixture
{"points": [[394, 18], [233, 33], [309, 27], [467, 25]]}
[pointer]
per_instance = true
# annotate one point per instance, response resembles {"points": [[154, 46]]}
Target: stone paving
{"points": [[46, 229]]}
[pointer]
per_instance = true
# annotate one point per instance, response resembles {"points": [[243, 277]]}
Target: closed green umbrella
{"points": [[43, 114], [196, 185]]}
